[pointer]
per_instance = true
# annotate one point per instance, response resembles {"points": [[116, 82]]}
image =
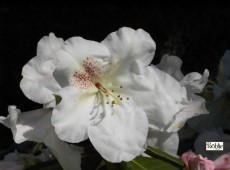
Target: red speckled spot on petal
{"points": [[92, 71], [92, 67], [81, 80]]}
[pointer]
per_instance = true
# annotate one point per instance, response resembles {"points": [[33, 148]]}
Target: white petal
{"points": [[128, 45], [31, 126], [48, 45], [194, 108], [167, 142], [71, 117], [194, 82], [70, 57], [65, 68], [38, 83], [172, 66], [120, 136], [154, 91], [36, 126], [79, 48], [68, 156]]}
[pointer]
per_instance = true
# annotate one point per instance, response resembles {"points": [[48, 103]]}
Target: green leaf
{"points": [[49, 165], [57, 99], [146, 163], [156, 153], [37, 147], [112, 166]]}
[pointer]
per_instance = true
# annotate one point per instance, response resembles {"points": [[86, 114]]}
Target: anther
{"points": [[107, 102], [121, 98], [120, 86], [112, 90], [127, 98], [113, 102]]}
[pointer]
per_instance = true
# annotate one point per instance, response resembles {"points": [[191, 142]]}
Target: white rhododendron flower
{"points": [[98, 85], [193, 82], [108, 91], [192, 105], [36, 126]]}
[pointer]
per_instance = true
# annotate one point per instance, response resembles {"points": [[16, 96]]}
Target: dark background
{"points": [[198, 33]]}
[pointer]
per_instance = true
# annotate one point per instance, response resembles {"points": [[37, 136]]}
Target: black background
{"points": [[198, 33]]}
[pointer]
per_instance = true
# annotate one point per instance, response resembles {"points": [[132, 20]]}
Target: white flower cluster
{"points": [[106, 92]]}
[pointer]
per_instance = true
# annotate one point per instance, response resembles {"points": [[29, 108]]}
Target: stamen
{"points": [[114, 87], [116, 99], [111, 96]]}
